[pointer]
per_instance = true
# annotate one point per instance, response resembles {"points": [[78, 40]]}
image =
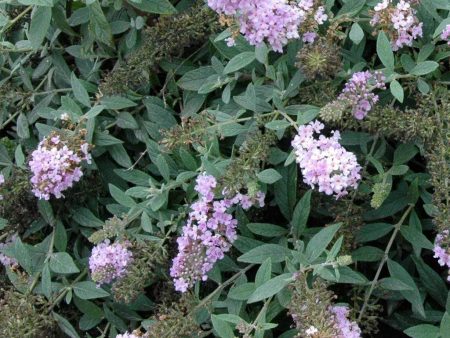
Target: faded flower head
{"points": [[320, 59], [208, 234], [109, 262], [399, 21], [324, 163], [2, 181], [56, 164]]}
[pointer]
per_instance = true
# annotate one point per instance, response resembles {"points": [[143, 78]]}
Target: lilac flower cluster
{"points": [[324, 162], [128, 335], [273, 20], [56, 165], [208, 234], [109, 262], [346, 328], [5, 260], [2, 181], [445, 35], [400, 21], [311, 16], [358, 92], [440, 253]]}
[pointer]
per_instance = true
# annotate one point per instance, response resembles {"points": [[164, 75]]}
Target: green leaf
{"points": [[62, 262], [373, 231], [79, 91], [126, 121], [397, 90], [393, 284], [86, 218], [194, 79], [117, 102], [65, 326], [351, 8], [88, 290], [277, 254], [94, 111], [239, 61], [222, 328], [431, 280], [269, 176], [154, 6], [264, 272], [384, 51], [266, 229], [445, 326], [241, 292], [317, 245], [22, 126], [356, 33], [40, 23], [98, 24], [422, 331], [404, 153], [424, 68], [367, 254], [270, 288], [163, 167], [121, 197], [413, 296], [46, 281], [415, 237], [301, 214]]}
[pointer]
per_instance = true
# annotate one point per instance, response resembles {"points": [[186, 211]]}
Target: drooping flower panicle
{"points": [[324, 163], [346, 328], [109, 261], [5, 260], [399, 21], [445, 35], [358, 92], [56, 165], [208, 234], [441, 252], [274, 21]]}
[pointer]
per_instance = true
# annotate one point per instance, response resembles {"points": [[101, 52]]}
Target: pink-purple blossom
{"points": [[5, 260], [208, 234], [358, 92], [404, 26], [56, 166], [346, 328], [109, 261], [324, 163], [2, 181], [441, 253], [445, 35]]}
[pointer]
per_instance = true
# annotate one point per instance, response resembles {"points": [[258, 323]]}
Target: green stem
{"points": [[17, 18], [384, 260], [64, 291]]}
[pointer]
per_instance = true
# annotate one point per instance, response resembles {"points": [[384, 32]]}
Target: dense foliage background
{"points": [[162, 93]]}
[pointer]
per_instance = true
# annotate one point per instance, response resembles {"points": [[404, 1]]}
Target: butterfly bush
{"points": [[445, 35], [358, 92], [56, 165], [400, 21], [208, 234], [4, 259], [109, 261], [346, 328], [324, 162], [440, 251]]}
